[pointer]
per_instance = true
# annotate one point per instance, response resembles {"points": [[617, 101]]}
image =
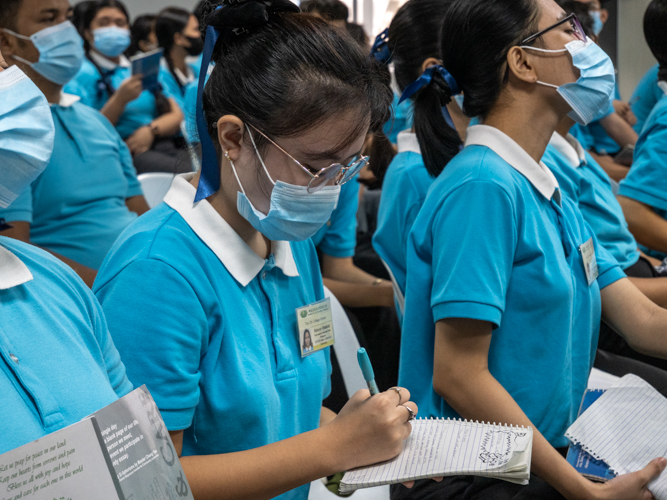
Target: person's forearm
{"points": [[619, 130], [648, 228], [169, 123], [479, 396], [264, 472], [654, 262], [614, 170], [326, 416], [137, 204], [654, 288], [355, 295], [639, 321], [87, 274], [113, 109]]}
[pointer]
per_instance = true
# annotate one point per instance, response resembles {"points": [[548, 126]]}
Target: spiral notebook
{"points": [[625, 427], [444, 447]]}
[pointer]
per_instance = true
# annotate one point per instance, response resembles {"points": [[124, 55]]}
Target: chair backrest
{"points": [[346, 347], [399, 298], [155, 186]]}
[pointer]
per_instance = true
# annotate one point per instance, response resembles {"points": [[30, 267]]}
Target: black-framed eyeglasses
{"points": [[577, 29]]}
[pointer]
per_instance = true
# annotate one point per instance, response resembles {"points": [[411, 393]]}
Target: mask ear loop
{"points": [[260, 158], [235, 174], [21, 37], [548, 52]]}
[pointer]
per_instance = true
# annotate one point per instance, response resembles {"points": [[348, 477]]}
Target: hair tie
{"points": [[380, 51], [232, 17], [425, 79]]}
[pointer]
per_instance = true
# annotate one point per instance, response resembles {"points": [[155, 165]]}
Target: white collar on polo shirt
{"points": [[234, 253], [538, 174], [104, 63], [13, 272], [570, 148], [66, 100], [663, 86], [407, 142]]}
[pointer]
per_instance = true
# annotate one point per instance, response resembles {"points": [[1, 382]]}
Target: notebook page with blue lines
{"points": [[625, 428], [444, 447]]}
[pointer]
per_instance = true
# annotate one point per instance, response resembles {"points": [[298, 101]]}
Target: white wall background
{"points": [[138, 7], [634, 56]]}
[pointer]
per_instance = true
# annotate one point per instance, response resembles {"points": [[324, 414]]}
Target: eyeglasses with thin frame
{"points": [[337, 172], [577, 29]]}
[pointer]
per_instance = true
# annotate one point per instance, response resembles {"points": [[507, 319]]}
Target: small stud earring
{"points": [[227, 155]]}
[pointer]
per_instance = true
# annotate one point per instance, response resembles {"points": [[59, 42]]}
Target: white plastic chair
{"points": [[155, 186], [346, 348]]}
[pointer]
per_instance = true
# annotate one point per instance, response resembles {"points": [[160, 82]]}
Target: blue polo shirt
{"points": [[403, 192], [211, 328], [402, 118], [58, 363], [494, 242], [176, 87], [585, 182], [338, 237], [645, 96], [88, 85], [646, 181], [76, 207]]}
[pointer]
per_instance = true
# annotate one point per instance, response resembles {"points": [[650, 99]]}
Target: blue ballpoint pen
{"points": [[367, 370]]}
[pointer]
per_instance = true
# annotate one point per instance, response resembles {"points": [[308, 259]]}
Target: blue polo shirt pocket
{"points": [[28, 384]]}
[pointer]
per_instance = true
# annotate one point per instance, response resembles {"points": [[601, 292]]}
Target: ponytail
{"points": [[438, 139]]}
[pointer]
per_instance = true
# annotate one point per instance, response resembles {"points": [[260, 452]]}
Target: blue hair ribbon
{"points": [[380, 50], [425, 79], [209, 180]]}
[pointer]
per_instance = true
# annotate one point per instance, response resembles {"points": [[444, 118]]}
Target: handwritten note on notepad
{"points": [[625, 427], [440, 447]]}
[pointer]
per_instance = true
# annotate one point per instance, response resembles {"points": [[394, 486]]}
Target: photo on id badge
{"points": [[315, 325]]}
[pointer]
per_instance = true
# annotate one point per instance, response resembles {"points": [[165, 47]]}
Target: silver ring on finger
{"points": [[412, 413], [398, 391]]}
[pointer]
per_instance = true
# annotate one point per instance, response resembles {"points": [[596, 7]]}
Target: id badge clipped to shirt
{"points": [[315, 324], [590, 262]]}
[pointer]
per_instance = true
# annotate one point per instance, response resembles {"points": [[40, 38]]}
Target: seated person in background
{"points": [[646, 96], [583, 181], [226, 261], [146, 120], [142, 35], [610, 132], [643, 193], [89, 193], [413, 41], [336, 242], [503, 301], [177, 32], [59, 362]]}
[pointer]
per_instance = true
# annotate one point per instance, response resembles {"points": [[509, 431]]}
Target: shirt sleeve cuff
{"points": [[135, 191], [17, 216], [338, 252], [468, 310], [177, 420], [641, 196], [611, 275]]}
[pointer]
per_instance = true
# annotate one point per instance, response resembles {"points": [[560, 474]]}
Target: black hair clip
{"points": [[237, 15]]}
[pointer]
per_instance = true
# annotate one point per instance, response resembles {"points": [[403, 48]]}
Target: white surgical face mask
{"points": [[60, 52], [294, 213], [589, 96], [26, 141]]}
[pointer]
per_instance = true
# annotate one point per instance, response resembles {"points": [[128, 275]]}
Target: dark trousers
{"points": [[612, 342], [475, 488], [167, 155]]}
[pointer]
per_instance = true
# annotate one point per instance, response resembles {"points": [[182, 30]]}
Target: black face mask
{"points": [[196, 45]]}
